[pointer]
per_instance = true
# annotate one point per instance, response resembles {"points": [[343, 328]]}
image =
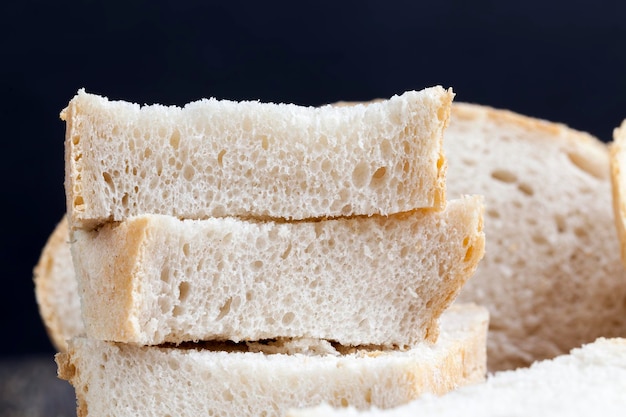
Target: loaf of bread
{"points": [[56, 288], [551, 276], [357, 281], [248, 159], [266, 379], [589, 381]]}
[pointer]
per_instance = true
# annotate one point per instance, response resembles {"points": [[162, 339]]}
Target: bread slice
{"points": [[589, 381], [220, 158], [357, 281], [618, 182], [56, 288], [265, 380], [551, 276]]}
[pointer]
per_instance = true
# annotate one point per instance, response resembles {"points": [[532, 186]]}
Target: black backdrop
{"points": [[562, 61]]}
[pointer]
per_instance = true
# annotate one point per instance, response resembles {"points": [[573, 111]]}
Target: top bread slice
{"points": [[379, 280], [551, 276], [618, 181], [589, 381], [215, 158], [56, 290]]}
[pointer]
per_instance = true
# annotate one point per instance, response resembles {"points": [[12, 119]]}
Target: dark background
{"points": [[561, 61]]}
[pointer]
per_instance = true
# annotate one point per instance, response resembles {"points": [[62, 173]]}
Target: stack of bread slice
{"points": [[245, 258]]}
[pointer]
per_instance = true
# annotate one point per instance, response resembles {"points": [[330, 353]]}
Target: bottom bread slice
{"points": [[222, 379], [589, 381]]}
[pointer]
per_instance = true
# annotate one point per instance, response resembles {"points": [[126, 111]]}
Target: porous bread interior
{"points": [[551, 276], [248, 159], [56, 288], [124, 379], [170, 280], [588, 381]]}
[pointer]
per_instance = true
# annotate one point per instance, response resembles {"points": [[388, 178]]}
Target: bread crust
{"points": [[55, 285], [617, 151]]}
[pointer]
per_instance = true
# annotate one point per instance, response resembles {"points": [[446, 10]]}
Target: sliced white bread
{"points": [[618, 177], [590, 381], [56, 288], [265, 380], [551, 276], [216, 158], [356, 281]]}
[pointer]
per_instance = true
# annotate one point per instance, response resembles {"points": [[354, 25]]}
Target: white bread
{"points": [[618, 182], [220, 158], [551, 276], [233, 380], [590, 381], [56, 288], [357, 281]]}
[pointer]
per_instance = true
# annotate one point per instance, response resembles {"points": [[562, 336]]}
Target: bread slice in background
{"points": [[551, 276], [248, 159], [618, 182], [589, 381], [56, 289], [357, 281], [257, 379]]}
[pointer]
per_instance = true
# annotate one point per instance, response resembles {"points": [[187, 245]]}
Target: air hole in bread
{"points": [[109, 181], [227, 395], [225, 309], [159, 167], [580, 232], [379, 176], [360, 174], [326, 165], [257, 265], [539, 239], [189, 172], [147, 153], [286, 252], [78, 201], [165, 275], [560, 223], [469, 254], [526, 189], [406, 146], [186, 249], [582, 162], [125, 200], [175, 139], [468, 162], [183, 290], [504, 176], [164, 305], [288, 318], [265, 143], [220, 157]]}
